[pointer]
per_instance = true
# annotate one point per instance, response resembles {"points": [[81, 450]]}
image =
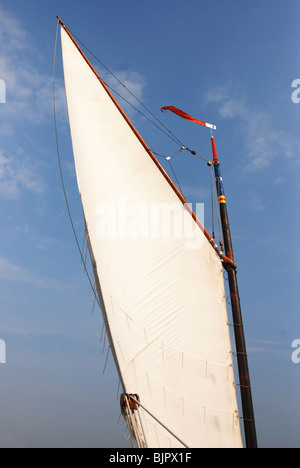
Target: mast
{"points": [[245, 386]]}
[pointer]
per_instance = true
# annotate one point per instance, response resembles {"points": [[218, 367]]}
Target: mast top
{"points": [[60, 21], [214, 150]]}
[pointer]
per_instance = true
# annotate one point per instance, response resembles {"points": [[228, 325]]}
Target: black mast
{"points": [[243, 369]]}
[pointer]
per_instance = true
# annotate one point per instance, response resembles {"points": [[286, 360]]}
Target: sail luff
{"points": [[104, 313], [92, 256]]}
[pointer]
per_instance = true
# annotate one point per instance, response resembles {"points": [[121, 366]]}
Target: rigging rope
{"points": [[176, 178], [166, 131], [62, 179], [158, 421]]}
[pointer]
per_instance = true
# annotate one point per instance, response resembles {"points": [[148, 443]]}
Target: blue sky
{"points": [[230, 63]]}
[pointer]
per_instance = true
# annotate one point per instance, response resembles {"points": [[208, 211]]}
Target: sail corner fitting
{"points": [[129, 400]]}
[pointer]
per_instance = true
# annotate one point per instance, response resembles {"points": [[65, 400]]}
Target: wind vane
{"points": [[187, 116]]}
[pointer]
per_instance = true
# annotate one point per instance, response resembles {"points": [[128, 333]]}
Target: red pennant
{"points": [[187, 116]]}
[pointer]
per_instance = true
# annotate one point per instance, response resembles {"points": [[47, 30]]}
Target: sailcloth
{"points": [[161, 290]]}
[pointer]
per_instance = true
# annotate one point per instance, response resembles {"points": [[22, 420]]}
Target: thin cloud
{"points": [[269, 347], [128, 85], [11, 33], [28, 103], [18, 172], [15, 273], [263, 141], [28, 90], [255, 202]]}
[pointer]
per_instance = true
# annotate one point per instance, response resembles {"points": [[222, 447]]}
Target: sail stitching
{"points": [[171, 348], [220, 410]]}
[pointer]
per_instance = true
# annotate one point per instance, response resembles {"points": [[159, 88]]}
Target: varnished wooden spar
{"points": [[245, 386], [151, 299]]}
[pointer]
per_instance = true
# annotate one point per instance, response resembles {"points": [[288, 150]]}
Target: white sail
{"points": [[162, 293]]}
